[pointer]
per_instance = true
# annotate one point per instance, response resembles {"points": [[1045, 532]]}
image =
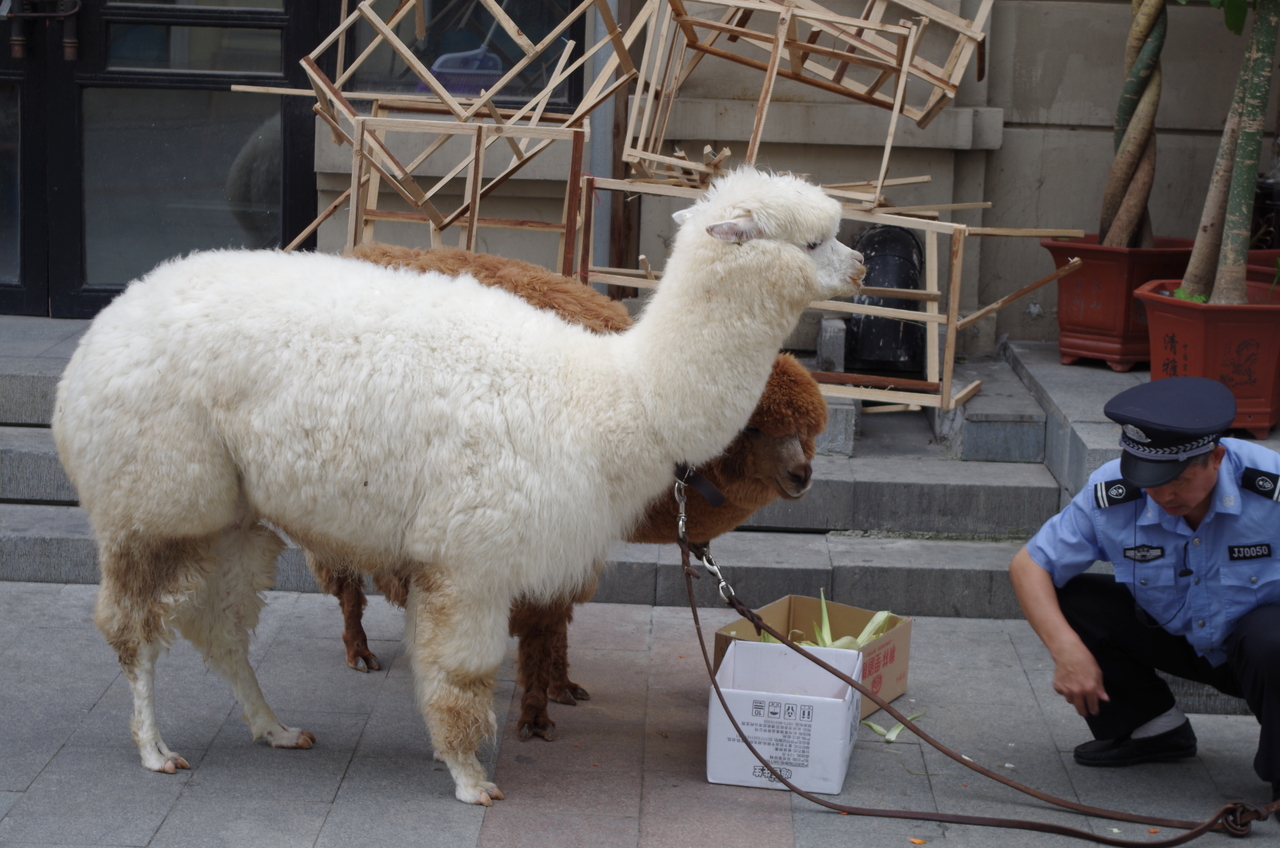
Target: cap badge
{"points": [[1135, 434]]}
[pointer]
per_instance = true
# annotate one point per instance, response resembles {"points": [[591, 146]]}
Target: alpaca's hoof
{"points": [[363, 660], [530, 729], [483, 794], [160, 758], [290, 737], [569, 694]]}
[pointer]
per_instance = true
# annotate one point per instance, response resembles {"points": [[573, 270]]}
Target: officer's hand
{"points": [[1077, 677]]}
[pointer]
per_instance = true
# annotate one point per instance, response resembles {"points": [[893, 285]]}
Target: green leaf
{"points": [[880, 731], [1235, 12], [824, 639], [875, 627], [765, 637], [892, 735], [1181, 294]]}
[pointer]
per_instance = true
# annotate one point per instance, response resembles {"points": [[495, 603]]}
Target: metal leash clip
{"points": [[701, 552]]}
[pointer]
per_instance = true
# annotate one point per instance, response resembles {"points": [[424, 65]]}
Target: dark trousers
{"points": [[1129, 645]]}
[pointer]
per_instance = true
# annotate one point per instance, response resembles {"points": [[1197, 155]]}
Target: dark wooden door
{"points": [[121, 143]]}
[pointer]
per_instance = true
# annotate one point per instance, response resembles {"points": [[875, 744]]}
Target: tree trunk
{"points": [[1198, 281], [1229, 284], [1124, 219]]}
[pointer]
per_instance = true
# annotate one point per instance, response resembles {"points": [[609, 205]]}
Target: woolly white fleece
{"points": [[429, 420]]}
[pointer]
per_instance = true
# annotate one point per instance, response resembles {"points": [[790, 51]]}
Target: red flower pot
{"points": [[1097, 315], [1239, 346]]}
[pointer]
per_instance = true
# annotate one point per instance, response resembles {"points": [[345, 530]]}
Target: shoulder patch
{"points": [[1261, 483], [1112, 492]]}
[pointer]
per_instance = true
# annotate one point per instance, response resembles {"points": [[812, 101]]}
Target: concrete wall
{"points": [[1034, 138], [1056, 72]]}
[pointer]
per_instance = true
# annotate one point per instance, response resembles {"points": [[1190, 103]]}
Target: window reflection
{"points": [[467, 50], [217, 4], [185, 48], [9, 182], [167, 172]]}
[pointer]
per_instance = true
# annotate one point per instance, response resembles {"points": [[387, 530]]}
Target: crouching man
{"points": [[1191, 522]]}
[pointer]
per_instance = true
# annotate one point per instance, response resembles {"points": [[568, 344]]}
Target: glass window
{"points": [[467, 50], [9, 182], [217, 4], [170, 171], [187, 48]]}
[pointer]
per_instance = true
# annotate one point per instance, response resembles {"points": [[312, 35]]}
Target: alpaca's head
{"points": [[777, 213], [777, 446]]}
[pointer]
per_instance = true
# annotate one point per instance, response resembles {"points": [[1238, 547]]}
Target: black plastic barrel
{"points": [[894, 258]]}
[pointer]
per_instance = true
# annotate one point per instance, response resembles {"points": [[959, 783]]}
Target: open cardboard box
{"points": [[799, 717], [884, 660]]}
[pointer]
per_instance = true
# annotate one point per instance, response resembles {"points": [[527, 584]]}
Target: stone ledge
{"points": [[844, 123]]}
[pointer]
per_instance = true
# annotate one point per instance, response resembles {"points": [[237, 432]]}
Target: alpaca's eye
{"points": [[813, 245]]}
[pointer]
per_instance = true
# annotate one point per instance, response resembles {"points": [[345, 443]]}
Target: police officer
{"points": [[1191, 522]]}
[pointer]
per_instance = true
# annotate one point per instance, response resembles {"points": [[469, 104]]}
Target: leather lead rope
{"points": [[1235, 818]]}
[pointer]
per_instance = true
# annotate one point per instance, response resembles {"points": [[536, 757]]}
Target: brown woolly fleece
{"points": [[571, 300], [747, 473]]}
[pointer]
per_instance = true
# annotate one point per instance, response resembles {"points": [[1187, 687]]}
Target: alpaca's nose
{"points": [[799, 479]]}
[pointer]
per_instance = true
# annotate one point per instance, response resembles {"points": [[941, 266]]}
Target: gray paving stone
{"points": [[881, 776], [822, 829], [93, 796], [236, 767], [387, 801], [197, 820]]}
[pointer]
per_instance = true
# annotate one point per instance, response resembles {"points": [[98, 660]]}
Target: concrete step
{"points": [[1001, 423], [918, 494], [1078, 437], [52, 544], [29, 467]]}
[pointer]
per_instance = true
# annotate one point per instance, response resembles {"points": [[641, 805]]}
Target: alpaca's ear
{"points": [[681, 215], [737, 230]]}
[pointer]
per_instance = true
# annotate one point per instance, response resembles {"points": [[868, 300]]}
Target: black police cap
{"points": [[1166, 423]]}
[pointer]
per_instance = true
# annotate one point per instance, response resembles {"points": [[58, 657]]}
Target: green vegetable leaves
{"points": [[890, 735]]}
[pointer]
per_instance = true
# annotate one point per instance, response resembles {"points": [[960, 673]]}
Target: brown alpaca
{"points": [[770, 458]]}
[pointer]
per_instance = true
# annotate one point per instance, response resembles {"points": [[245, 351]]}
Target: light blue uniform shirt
{"points": [[1233, 556]]}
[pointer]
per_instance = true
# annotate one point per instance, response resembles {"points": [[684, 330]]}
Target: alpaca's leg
{"points": [[534, 665], [225, 608], [340, 580], [456, 642], [351, 597], [143, 582], [146, 731], [560, 688]]}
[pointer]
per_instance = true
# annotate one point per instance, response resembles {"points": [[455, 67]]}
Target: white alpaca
{"points": [[428, 424]]}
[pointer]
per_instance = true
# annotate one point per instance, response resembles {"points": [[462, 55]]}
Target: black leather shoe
{"points": [[1175, 744]]}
